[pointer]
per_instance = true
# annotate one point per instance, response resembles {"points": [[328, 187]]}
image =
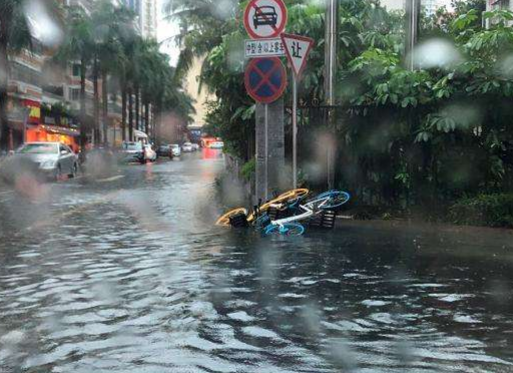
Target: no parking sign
{"points": [[265, 79]]}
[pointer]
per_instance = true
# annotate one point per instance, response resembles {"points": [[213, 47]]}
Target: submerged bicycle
{"points": [[282, 215]]}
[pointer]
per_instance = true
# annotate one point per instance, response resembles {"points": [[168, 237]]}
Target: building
{"points": [[146, 11], [193, 87], [393, 4], [430, 6], [499, 4]]}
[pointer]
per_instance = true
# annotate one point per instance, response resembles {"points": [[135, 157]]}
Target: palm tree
{"points": [[14, 36], [113, 26], [78, 46]]}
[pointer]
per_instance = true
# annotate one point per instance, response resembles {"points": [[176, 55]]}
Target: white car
{"points": [[52, 158], [149, 153], [177, 151], [195, 147], [187, 147]]}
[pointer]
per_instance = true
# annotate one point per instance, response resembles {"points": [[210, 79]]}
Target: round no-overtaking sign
{"points": [[265, 18]]}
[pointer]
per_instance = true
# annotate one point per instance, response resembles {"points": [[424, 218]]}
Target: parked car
{"points": [[176, 150], [149, 153], [195, 147], [217, 145], [132, 152], [164, 150], [53, 159], [187, 147]]}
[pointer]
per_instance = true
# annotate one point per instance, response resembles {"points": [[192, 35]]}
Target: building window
{"points": [[74, 94], [25, 74], [76, 70]]}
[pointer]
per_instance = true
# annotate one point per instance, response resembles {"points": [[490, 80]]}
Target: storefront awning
{"points": [[140, 134], [61, 130]]}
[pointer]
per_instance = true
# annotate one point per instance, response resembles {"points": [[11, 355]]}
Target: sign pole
{"points": [[294, 132], [266, 146]]}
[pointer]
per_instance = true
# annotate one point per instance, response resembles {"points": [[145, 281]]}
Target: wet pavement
{"points": [[127, 274]]}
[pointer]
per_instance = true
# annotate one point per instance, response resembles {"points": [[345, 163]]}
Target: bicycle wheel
{"points": [[335, 198], [224, 220], [287, 229]]}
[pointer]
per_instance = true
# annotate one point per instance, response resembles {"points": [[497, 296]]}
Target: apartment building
{"points": [[146, 11], [430, 6], [499, 4]]}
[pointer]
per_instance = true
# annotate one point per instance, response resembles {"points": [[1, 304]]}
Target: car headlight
{"points": [[48, 164]]}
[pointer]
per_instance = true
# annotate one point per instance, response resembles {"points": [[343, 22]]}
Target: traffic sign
{"points": [[265, 19], [265, 79], [297, 48], [264, 48]]}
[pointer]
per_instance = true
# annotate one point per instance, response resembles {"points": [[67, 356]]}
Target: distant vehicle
{"points": [[216, 145], [164, 150], [265, 15], [132, 152], [149, 153], [176, 150], [187, 147], [53, 159], [195, 147]]}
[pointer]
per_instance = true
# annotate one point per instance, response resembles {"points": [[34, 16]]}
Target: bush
{"points": [[493, 210], [248, 170]]}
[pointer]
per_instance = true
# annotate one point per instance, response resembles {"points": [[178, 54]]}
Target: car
{"points": [[149, 153], [187, 147], [53, 159], [195, 147], [164, 150], [217, 145], [265, 15], [176, 150], [132, 152]]}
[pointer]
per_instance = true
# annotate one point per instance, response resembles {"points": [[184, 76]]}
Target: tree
{"points": [[78, 45], [14, 36]]}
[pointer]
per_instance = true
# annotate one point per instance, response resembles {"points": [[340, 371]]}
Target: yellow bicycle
{"points": [[282, 199]]}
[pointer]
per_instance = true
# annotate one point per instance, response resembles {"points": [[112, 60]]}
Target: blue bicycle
{"points": [[289, 226]]}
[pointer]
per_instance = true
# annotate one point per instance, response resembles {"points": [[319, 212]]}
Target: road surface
{"points": [[128, 274]]}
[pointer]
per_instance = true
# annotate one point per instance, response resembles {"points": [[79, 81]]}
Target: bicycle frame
{"points": [[309, 210]]}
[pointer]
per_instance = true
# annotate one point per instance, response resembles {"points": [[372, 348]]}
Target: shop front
{"points": [[53, 133]]}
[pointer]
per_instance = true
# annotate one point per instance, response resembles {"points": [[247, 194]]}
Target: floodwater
{"points": [[127, 274]]}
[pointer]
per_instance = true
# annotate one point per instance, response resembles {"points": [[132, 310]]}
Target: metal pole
{"points": [[266, 146], [412, 10], [331, 71], [294, 132]]}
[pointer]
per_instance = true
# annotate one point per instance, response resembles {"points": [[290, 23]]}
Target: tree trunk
{"points": [[130, 115], [4, 78], [97, 139], [137, 109], [83, 116], [123, 111], [147, 117], [105, 106]]}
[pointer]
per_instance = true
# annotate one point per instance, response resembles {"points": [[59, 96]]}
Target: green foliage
{"points": [[495, 210], [406, 137], [248, 170]]}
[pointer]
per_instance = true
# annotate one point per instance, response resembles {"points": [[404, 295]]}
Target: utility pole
{"points": [[412, 10], [329, 82]]}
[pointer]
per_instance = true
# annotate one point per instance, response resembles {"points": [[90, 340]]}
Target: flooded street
{"points": [[128, 274]]}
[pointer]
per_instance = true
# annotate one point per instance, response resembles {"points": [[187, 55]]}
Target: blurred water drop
{"points": [[12, 338], [436, 53], [505, 67], [223, 9], [341, 356], [42, 25]]}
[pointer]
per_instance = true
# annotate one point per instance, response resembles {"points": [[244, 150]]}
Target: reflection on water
{"points": [[102, 291]]}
